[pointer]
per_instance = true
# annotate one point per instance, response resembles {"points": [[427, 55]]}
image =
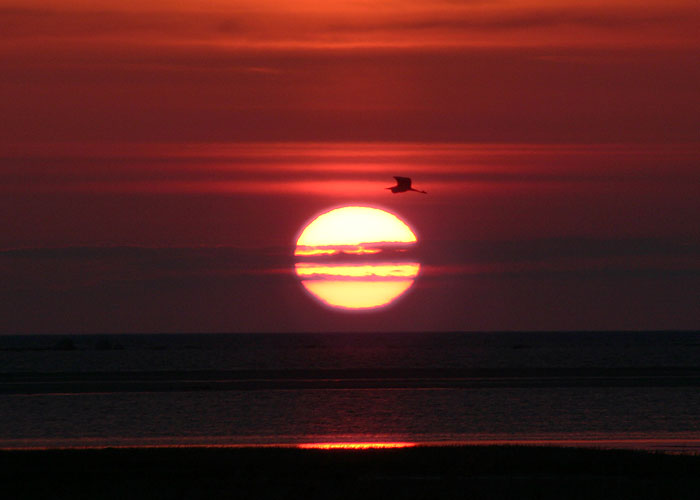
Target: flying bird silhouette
{"points": [[403, 184]]}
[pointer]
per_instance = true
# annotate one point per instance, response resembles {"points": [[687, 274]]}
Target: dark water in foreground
{"points": [[608, 389]]}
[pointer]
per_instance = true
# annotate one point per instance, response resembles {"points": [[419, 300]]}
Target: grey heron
{"points": [[403, 184]]}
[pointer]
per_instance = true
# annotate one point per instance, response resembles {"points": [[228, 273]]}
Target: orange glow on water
{"points": [[354, 446], [347, 234]]}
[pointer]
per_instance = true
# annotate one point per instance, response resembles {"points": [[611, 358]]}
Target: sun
{"points": [[356, 258], [354, 226]]}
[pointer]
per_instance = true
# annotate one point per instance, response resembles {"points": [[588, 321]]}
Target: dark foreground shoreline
{"points": [[470, 472]]}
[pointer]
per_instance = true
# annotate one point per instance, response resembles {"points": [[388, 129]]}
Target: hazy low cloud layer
{"points": [[464, 285], [84, 267]]}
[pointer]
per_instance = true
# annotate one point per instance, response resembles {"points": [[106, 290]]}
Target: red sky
{"points": [[157, 161]]}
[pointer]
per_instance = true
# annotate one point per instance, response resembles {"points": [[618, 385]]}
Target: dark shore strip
{"points": [[166, 381], [471, 472]]}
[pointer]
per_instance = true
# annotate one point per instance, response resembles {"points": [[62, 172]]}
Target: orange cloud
{"points": [[344, 24]]}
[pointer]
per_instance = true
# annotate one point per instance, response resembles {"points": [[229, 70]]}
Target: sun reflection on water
{"points": [[354, 446]]}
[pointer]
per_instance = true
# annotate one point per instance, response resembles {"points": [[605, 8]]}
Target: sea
{"points": [[597, 389]]}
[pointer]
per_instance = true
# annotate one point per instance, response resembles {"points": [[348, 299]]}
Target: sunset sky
{"points": [[159, 159]]}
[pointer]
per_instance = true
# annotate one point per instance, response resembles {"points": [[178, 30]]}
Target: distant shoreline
{"points": [[412, 472], [58, 334]]}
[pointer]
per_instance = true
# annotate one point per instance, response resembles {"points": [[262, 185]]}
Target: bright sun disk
{"points": [[351, 235]]}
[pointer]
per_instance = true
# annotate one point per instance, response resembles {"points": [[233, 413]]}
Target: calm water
{"points": [[607, 389]]}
